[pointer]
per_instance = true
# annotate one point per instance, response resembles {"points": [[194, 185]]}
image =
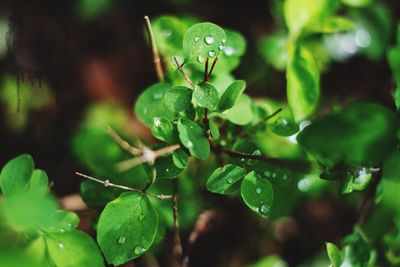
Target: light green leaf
{"points": [[361, 134], [178, 98], [163, 129], [150, 104], [231, 94], [39, 181], [15, 174], [127, 228], [73, 248], [193, 138], [357, 3], [274, 50], [65, 221], [303, 84], [257, 193], [332, 25], [214, 130], [206, 96], [241, 113], [224, 180], [203, 40], [28, 211], [334, 254]]}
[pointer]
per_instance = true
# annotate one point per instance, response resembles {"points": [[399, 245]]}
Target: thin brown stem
{"points": [[212, 68], [156, 55], [206, 78], [107, 183], [177, 249], [122, 143], [183, 73]]}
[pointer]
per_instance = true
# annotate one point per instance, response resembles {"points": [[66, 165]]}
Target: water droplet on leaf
{"points": [[211, 53], [230, 180], [196, 39], [141, 217], [221, 47], [258, 190], [139, 250], [264, 209], [121, 239], [209, 40], [200, 59], [223, 41], [157, 95], [61, 245]]}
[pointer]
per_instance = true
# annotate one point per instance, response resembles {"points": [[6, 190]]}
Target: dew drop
{"points": [[274, 175], [211, 53], [62, 230], [258, 190], [223, 41], [200, 59], [190, 144], [221, 48], [230, 180], [121, 239], [61, 245], [229, 51], [157, 95], [196, 39], [264, 209], [141, 217], [167, 170], [209, 40], [157, 122], [139, 250]]}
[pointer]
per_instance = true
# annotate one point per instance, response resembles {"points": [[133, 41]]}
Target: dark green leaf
{"points": [[127, 228], [178, 98], [206, 96], [257, 193], [193, 138], [180, 158], [15, 174], [223, 180], [150, 104], [166, 168], [231, 94]]}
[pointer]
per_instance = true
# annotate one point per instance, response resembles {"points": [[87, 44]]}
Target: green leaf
{"points": [[332, 25], [163, 129], [65, 221], [274, 50], [241, 113], [168, 33], [127, 228], [274, 173], [303, 86], [284, 127], [150, 104], [361, 134], [95, 194], [203, 40], [357, 3], [166, 168], [394, 62], [214, 130], [73, 248], [39, 181], [178, 98], [257, 193], [231, 94], [206, 96], [180, 158], [334, 254], [193, 138], [27, 211], [234, 48], [224, 180], [15, 174], [391, 167]]}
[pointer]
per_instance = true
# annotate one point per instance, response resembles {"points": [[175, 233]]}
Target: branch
{"points": [[177, 249], [212, 68], [107, 183], [183, 73], [206, 77], [156, 56], [122, 143]]}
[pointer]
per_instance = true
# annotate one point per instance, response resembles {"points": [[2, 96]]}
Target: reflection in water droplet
{"points": [[258, 190], [190, 144], [139, 250], [211, 53], [196, 39], [229, 51], [264, 209], [200, 59], [61, 245], [221, 47], [209, 40], [121, 239], [157, 122], [230, 180]]}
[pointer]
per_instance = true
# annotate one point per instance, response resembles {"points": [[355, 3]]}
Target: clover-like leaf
{"points": [[15, 174], [224, 179], [206, 96], [73, 248], [203, 40], [193, 138], [127, 227], [257, 193], [178, 98], [150, 104], [231, 94]]}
